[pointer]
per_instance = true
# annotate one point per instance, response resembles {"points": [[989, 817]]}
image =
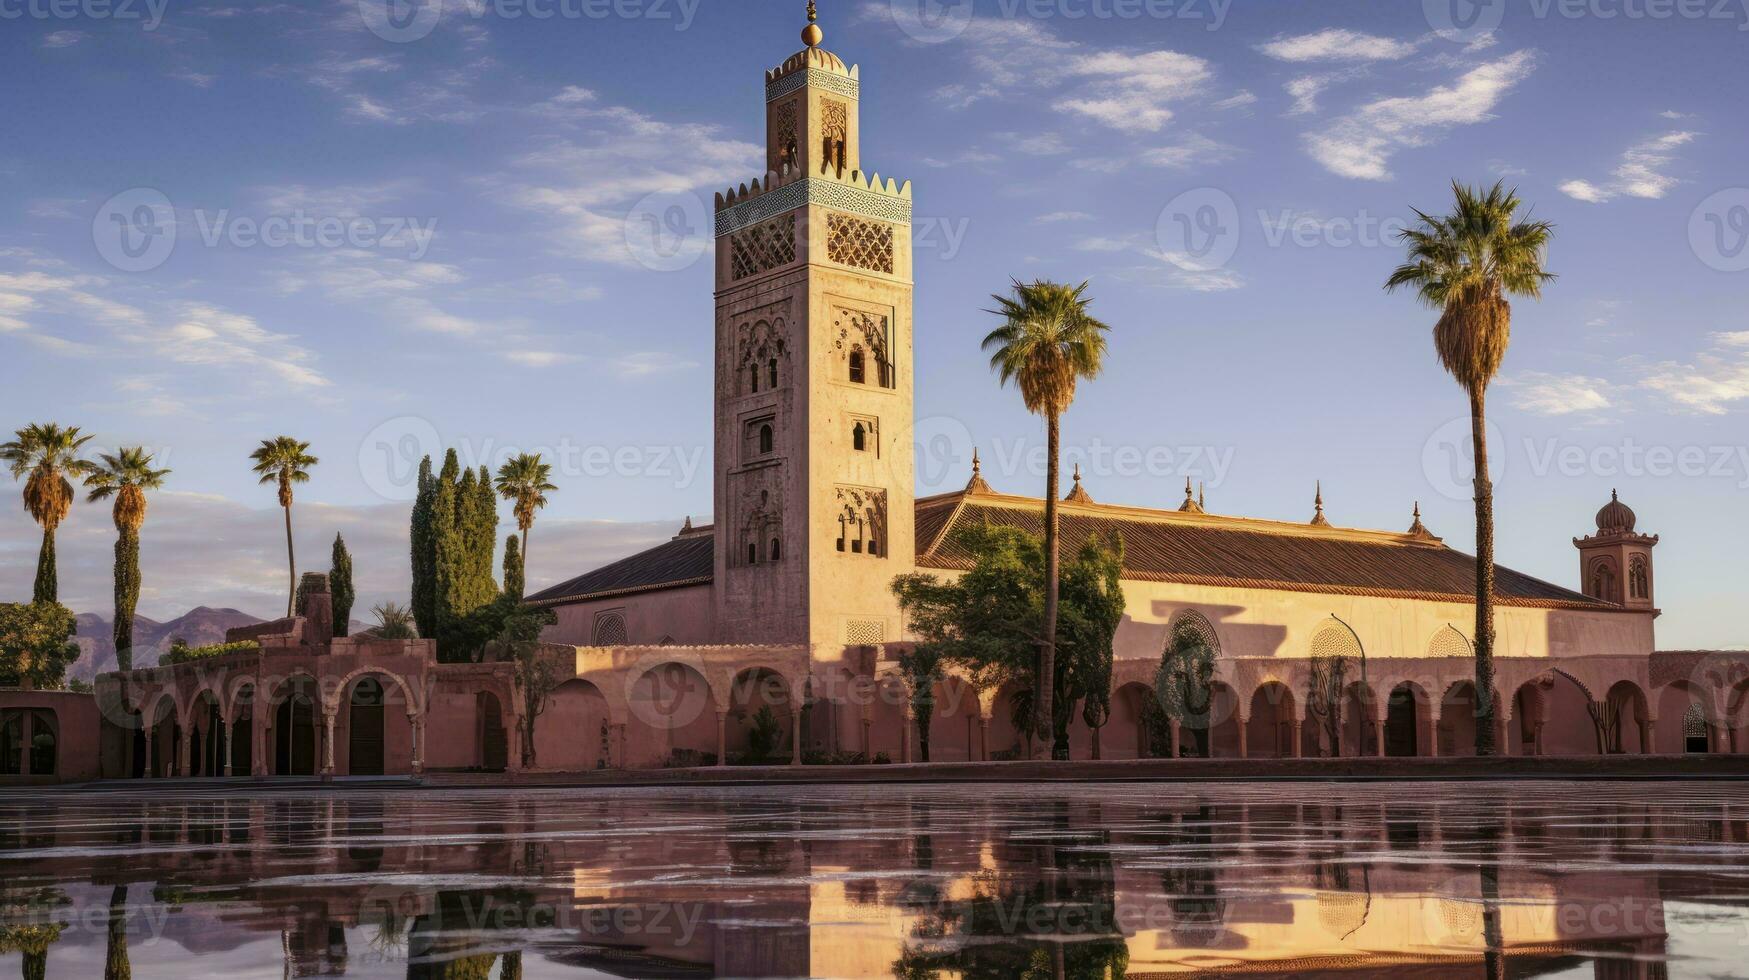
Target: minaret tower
{"points": [[1615, 564], [814, 484]]}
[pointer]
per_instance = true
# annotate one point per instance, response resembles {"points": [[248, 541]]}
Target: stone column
{"points": [[1718, 740], [910, 723], [619, 743], [184, 746], [1433, 740], [795, 735], [261, 737], [1649, 736], [151, 749], [1536, 738], [1177, 733], [1244, 737], [1378, 739], [328, 745], [225, 745], [868, 738], [983, 739], [722, 738], [1298, 740]]}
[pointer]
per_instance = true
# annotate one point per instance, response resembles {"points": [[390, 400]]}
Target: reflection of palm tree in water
{"points": [[115, 960], [1199, 913]]}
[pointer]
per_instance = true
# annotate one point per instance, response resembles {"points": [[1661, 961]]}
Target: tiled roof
{"points": [[1200, 549], [686, 560]]}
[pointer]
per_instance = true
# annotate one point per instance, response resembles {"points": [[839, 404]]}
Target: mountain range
{"points": [[200, 626]]}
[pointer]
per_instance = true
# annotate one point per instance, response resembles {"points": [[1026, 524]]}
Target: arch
{"points": [[490, 733], [767, 439], [1126, 734], [29, 742], [954, 731], [1272, 722], [1639, 581], [887, 736], [242, 728], [761, 722], [1459, 714], [295, 705], [858, 369], [206, 736], [1601, 579], [1335, 657], [1408, 723], [568, 735], [1555, 715], [673, 717], [1220, 733], [1625, 712], [1450, 642], [1193, 626], [1360, 720], [1680, 704], [407, 703], [1695, 737], [163, 733]]}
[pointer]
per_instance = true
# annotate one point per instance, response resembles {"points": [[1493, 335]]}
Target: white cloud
{"points": [[538, 358], [1237, 100], [1132, 92], [1337, 45], [1361, 144], [1713, 384], [1739, 338], [1558, 394], [1056, 217], [1045, 144], [62, 39], [1640, 173], [1306, 91], [644, 364], [208, 336]]}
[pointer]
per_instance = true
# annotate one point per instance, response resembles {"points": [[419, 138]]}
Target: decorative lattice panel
{"points": [[1335, 640], [863, 244], [610, 630], [763, 248], [1193, 628], [1449, 642], [865, 632]]}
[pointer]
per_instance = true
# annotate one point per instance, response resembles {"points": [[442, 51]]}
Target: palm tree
{"points": [[523, 479], [285, 461], [1465, 265], [50, 455], [126, 475], [1047, 343]]}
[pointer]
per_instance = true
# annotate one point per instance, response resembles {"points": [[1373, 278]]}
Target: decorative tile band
{"points": [[850, 88], [832, 194]]}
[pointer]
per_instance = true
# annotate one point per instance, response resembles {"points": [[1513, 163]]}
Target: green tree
{"points": [[514, 583], [987, 622], [422, 535], [1184, 685], [126, 475], [394, 622], [340, 587], [36, 644], [1465, 265], [920, 670], [518, 641], [525, 481], [1046, 345], [285, 461], [46, 457]]}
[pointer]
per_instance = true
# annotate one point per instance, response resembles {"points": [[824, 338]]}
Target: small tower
{"points": [[1318, 519], [1615, 564], [1078, 494]]}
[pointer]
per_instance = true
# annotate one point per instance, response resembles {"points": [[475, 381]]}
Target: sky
{"points": [[484, 224]]}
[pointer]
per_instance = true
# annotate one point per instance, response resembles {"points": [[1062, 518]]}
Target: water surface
{"points": [[1609, 880]]}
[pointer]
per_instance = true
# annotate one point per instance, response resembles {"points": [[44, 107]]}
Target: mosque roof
{"points": [[685, 560], [1205, 549]]}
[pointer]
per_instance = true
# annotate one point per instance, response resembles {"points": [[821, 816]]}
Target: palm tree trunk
{"points": [[48, 587], [127, 595], [291, 562], [1047, 660], [116, 965], [1485, 706]]}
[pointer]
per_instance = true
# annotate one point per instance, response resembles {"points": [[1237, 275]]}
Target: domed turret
{"points": [[1615, 517]]}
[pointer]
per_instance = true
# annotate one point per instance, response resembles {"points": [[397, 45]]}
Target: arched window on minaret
{"points": [[1639, 581], [874, 547], [771, 373], [1603, 581], [765, 440], [859, 438], [753, 376], [858, 374], [843, 531], [752, 552], [774, 553]]}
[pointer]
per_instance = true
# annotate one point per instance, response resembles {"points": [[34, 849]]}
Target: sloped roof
{"points": [[685, 560], [1205, 549]]}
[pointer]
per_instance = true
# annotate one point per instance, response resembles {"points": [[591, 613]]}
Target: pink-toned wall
{"points": [[74, 722], [682, 616]]}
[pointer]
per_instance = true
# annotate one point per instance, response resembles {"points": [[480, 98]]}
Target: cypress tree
{"points": [[340, 587], [484, 545], [447, 582], [514, 573], [423, 557]]}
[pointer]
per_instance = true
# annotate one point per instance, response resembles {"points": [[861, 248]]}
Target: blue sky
{"points": [[466, 258]]}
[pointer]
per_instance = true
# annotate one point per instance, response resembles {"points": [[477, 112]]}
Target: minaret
{"points": [[1615, 564], [814, 481]]}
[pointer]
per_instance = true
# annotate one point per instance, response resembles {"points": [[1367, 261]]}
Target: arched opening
{"points": [[858, 373], [673, 719], [1683, 714], [776, 551], [29, 742], [953, 732], [1623, 719], [1269, 731], [1694, 731], [242, 735], [753, 377], [1567, 725], [161, 738], [1220, 731], [45, 737], [760, 721], [364, 728], [294, 729], [887, 721], [1008, 740], [569, 735], [1457, 720], [1126, 735], [1405, 714], [1360, 732], [765, 440], [491, 737], [206, 740], [859, 438], [771, 376]]}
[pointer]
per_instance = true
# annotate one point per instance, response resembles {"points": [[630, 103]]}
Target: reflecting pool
{"points": [[1611, 880]]}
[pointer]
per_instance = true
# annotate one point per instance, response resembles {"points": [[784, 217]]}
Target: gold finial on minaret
{"points": [[812, 35], [1190, 505]]}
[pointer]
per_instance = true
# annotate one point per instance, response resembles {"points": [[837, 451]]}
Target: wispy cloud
{"points": [[1361, 144], [1715, 382], [1558, 394], [1641, 172], [1133, 93], [1338, 45]]}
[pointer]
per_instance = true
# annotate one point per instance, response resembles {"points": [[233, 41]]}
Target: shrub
{"points": [[182, 653]]}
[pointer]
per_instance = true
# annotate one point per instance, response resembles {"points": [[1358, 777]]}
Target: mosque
{"points": [[667, 657]]}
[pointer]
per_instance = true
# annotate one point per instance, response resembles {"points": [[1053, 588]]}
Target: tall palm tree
{"points": [[125, 475], [1465, 265], [50, 455], [1047, 343], [524, 480], [285, 461]]}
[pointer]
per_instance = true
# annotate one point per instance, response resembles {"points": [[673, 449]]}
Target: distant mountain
{"points": [[200, 626]]}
